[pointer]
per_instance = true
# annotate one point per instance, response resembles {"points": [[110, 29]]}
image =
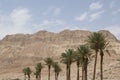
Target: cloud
{"points": [[115, 29], [112, 4], [46, 23], [116, 12], [89, 15], [53, 11], [43, 25], [57, 26], [96, 15], [95, 6], [14, 22], [49, 24], [56, 11], [20, 17], [82, 17]]}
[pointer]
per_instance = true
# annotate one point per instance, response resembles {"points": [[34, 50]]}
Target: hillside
{"points": [[21, 50]]}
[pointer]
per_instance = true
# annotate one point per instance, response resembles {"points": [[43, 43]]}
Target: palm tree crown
{"points": [[67, 57], [27, 71], [57, 69], [38, 68], [84, 51], [48, 61], [95, 40]]}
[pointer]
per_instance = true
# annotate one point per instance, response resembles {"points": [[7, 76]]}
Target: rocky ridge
{"points": [[21, 50]]}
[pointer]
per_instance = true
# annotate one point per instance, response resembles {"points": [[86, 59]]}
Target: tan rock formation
{"points": [[21, 50]]}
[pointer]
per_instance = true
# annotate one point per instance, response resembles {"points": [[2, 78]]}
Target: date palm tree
{"points": [[67, 58], [36, 74], [85, 53], [57, 69], [25, 73], [49, 63], [95, 41], [103, 47], [38, 68], [78, 61]]}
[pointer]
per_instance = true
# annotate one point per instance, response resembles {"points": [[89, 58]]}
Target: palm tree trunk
{"points": [[86, 63], [28, 77], [37, 78], [94, 72], [25, 77], [82, 72], [69, 72], [49, 72], [83, 69], [101, 65], [40, 76], [57, 76], [77, 70]]}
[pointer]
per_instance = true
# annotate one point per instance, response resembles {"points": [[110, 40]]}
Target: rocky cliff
{"points": [[20, 50]]}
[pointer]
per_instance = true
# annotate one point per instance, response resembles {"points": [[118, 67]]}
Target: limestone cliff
{"points": [[19, 50]]}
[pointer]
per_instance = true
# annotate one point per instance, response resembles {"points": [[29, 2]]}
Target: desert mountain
{"points": [[20, 50]]}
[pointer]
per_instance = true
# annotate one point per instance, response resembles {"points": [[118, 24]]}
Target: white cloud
{"points": [[47, 11], [57, 26], [82, 17], [60, 22], [42, 25], [89, 15], [52, 11], [14, 22], [96, 15], [95, 6], [56, 11], [112, 4], [115, 29], [20, 17], [116, 12], [46, 24]]}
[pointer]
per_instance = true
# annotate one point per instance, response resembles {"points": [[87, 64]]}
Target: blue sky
{"points": [[30, 16]]}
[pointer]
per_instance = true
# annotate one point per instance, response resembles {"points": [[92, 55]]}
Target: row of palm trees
{"points": [[81, 56], [39, 66]]}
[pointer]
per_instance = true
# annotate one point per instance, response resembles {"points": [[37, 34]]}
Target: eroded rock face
{"points": [[20, 50], [108, 35]]}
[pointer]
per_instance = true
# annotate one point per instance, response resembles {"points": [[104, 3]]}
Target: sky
{"points": [[30, 16]]}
